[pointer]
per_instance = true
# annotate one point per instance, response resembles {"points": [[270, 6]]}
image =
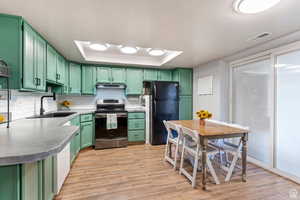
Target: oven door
{"points": [[101, 131]]}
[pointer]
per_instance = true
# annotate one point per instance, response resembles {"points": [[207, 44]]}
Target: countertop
{"points": [[29, 140]]}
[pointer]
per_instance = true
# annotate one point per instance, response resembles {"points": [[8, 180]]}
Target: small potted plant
{"points": [[66, 104], [203, 114]]}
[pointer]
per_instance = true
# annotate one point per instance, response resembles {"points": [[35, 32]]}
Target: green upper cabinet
{"points": [[51, 64], [88, 78], [185, 79], [104, 75], [75, 78], [66, 82], [134, 81], [150, 74], [118, 75], [34, 65], [164, 75], [60, 70], [40, 63], [29, 69], [185, 108]]}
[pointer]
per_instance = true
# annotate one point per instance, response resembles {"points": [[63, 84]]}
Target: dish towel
{"points": [[111, 121]]}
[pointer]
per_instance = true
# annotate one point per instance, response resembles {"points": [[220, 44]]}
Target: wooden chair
{"points": [[227, 147], [191, 146], [171, 139]]}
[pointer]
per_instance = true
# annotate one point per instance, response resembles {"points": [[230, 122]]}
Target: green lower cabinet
{"points": [[86, 134], [134, 81], [136, 136], [186, 108], [74, 146], [136, 127], [31, 181], [164, 75], [10, 182], [47, 174]]}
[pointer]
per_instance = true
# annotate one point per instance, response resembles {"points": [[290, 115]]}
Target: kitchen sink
{"points": [[53, 115]]}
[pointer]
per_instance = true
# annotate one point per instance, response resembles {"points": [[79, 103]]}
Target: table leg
{"points": [[170, 150], [244, 157], [204, 148]]}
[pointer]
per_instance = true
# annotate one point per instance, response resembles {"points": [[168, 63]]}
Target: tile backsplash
{"points": [[25, 104]]}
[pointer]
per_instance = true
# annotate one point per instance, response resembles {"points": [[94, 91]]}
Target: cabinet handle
{"points": [[39, 81], [70, 89], [36, 81]]}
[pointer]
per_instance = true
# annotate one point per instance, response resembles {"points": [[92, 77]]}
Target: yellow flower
{"points": [[2, 118], [66, 103], [204, 114]]}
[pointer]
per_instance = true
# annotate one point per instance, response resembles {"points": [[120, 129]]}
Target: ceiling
{"points": [[204, 30]]}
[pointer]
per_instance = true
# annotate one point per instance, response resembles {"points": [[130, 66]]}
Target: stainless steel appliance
{"points": [[110, 138], [162, 103]]}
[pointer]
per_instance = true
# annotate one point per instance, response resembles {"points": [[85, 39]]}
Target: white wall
{"points": [[217, 103], [24, 104]]}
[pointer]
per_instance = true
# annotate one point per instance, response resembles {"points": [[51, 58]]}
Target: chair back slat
{"points": [[188, 133], [172, 127]]}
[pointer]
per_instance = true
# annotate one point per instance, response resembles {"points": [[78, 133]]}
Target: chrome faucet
{"points": [[42, 110]]}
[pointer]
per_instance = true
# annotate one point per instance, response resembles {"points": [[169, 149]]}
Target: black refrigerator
{"points": [[164, 105]]}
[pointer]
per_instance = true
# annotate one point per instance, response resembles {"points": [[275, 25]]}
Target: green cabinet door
{"points": [[51, 64], [134, 81], [185, 79], [47, 175], [66, 82], [40, 63], [165, 75], [75, 78], [31, 181], [186, 108], [77, 142], [86, 134], [118, 75], [60, 70], [88, 78], [29, 78], [150, 74], [104, 75], [10, 182], [72, 149]]}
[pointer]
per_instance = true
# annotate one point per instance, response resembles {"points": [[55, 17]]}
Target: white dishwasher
{"points": [[61, 168]]}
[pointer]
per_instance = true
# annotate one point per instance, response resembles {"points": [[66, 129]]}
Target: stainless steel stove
{"points": [[110, 137]]}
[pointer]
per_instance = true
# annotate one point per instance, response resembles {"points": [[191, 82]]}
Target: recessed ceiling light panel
{"points": [[156, 52], [99, 47], [128, 49], [254, 6]]}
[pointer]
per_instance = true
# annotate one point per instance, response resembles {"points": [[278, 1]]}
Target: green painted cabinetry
{"points": [[164, 75], [47, 175], [60, 70], [136, 126], [118, 75], [150, 74], [51, 64], [134, 81], [75, 78], [31, 181], [10, 182], [86, 134], [88, 78], [185, 79], [104, 75], [34, 60], [186, 107], [66, 87]]}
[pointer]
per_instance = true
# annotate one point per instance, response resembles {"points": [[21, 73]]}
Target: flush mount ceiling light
{"points": [[128, 49], [156, 52], [99, 47], [254, 6]]}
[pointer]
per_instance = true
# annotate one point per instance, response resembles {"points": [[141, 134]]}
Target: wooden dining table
{"points": [[211, 130]]}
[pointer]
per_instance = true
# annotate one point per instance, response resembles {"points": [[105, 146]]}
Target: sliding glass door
{"points": [[288, 113], [252, 106]]}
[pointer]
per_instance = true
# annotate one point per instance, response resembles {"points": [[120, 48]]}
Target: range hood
{"points": [[111, 86]]}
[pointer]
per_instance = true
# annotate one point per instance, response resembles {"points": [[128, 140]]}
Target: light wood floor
{"points": [[140, 173]]}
